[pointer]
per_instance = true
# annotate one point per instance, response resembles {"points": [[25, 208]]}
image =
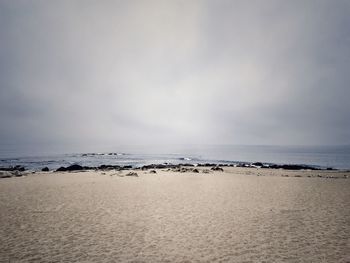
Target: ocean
{"points": [[319, 156]]}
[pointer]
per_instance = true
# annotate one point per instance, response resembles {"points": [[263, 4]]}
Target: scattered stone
{"points": [[206, 171], [61, 169], [293, 167], [242, 165], [153, 172], [109, 167], [257, 164], [195, 171], [187, 164], [13, 168], [45, 169], [5, 174], [207, 164], [17, 173], [160, 166], [132, 174], [75, 167], [185, 170], [217, 168]]}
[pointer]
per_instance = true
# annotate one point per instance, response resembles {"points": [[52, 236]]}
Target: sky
{"points": [[94, 73]]}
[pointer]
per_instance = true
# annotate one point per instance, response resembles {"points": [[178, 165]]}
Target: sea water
{"points": [[319, 156]]}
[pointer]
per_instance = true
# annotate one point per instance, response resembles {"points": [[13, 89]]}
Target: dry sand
{"points": [[230, 216]]}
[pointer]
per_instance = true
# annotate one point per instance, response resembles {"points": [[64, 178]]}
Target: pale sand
{"points": [[231, 216]]}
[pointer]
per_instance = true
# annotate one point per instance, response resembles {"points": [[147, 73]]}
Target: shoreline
{"points": [[171, 169], [244, 164], [276, 157]]}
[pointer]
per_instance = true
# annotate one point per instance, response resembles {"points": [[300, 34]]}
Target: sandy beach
{"points": [[238, 215]]}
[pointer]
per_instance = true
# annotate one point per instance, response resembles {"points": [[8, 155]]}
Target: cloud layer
{"points": [[174, 72]]}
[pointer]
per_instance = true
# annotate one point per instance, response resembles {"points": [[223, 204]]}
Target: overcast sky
{"points": [[174, 72]]}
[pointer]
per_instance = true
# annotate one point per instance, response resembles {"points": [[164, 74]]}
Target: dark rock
{"points": [[132, 174], [17, 173], [160, 166], [242, 165], [258, 164], [75, 167], [217, 168], [153, 172], [109, 167], [45, 169], [195, 171], [206, 164], [187, 164], [19, 168], [61, 169], [13, 168], [184, 170], [293, 167]]}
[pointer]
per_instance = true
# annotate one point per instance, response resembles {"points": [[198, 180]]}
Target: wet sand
{"points": [[239, 215]]}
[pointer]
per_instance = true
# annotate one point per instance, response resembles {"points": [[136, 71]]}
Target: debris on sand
{"points": [[132, 174]]}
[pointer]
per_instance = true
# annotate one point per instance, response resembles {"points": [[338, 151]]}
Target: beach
{"points": [[235, 215]]}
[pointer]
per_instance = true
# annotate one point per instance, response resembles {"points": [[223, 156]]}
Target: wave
{"points": [[185, 159], [101, 154]]}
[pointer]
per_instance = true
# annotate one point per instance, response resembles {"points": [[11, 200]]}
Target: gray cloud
{"points": [[174, 72]]}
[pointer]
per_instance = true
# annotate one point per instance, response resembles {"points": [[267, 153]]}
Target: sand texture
{"points": [[230, 216]]}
